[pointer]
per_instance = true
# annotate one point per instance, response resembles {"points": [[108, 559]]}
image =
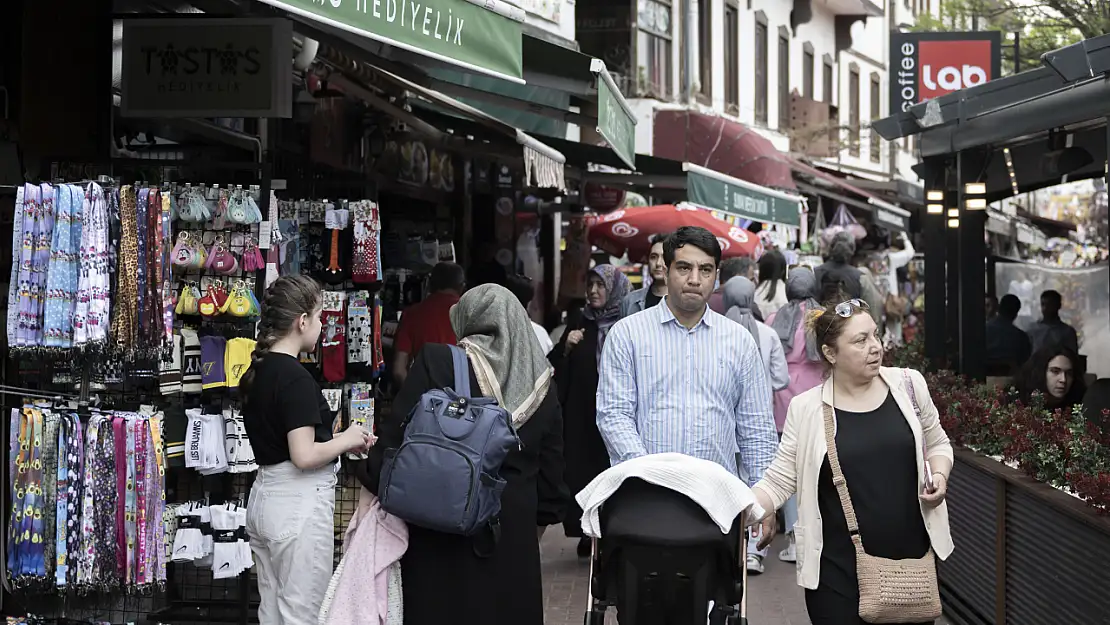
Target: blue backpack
{"points": [[445, 476]]}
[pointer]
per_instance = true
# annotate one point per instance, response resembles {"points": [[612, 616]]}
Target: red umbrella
{"points": [[630, 230]]}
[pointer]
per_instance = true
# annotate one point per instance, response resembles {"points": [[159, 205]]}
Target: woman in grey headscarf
{"points": [[507, 364], [739, 298], [802, 359]]}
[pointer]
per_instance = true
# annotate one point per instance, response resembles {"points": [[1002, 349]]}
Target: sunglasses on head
{"points": [[844, 309]]}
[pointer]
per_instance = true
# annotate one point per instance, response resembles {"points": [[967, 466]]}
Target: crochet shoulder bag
{"points": [[890, 591]]}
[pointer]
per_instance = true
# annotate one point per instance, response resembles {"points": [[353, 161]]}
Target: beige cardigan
{"points": [[797, 466]]}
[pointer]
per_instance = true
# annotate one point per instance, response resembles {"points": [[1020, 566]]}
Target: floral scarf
{"points": [[616, 286]]}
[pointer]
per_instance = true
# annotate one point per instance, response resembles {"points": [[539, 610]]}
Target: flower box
{"points": [[1026, 553]]}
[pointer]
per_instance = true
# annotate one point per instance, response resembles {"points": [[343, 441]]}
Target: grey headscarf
{"points": [[507, 359], [739, 298], [801, 293]]}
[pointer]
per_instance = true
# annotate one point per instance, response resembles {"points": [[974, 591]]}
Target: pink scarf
{"points": [[374, 540]]}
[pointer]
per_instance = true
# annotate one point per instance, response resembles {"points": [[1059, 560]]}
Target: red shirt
{"points": [[426, 322]]}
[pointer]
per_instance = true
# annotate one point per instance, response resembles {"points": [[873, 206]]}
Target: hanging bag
{"points": [[890, 591]]}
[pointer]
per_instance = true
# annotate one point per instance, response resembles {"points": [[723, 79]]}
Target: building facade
{"points": [[807, 75]]}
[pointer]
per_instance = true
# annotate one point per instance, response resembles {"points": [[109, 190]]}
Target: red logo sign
{"points": [[948, 66]]}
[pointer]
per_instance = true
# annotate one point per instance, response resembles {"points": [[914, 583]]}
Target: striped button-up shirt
{"points": [[702, 391]]}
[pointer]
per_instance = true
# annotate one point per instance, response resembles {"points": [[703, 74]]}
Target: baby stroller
{"points": [[661, 560]]}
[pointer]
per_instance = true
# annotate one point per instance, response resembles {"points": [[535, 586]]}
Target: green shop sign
{"points": [[717, 191], [455, 31], [615, 121]]}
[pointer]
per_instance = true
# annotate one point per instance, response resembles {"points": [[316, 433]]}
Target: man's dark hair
{"points": [[447, 277], [695, 236], [1054, 297], [736, 267], [521, 287], [1009, 306], [659, 238]]}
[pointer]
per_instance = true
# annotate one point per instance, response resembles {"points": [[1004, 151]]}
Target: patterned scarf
{"points": [[139, 434], [125, 322], [157, 497], [616, 287], [106, 502], [142, 222], [75, 454], [94, 282], [51, 425]]}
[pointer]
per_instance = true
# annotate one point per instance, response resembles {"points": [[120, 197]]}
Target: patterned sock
{"points": [[333, 348], [169, 378], [191, 374]]}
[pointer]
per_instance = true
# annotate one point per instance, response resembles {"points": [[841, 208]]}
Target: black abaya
{"points": [[444, 581], [583, 448]]}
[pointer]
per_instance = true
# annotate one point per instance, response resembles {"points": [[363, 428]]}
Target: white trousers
{"points": [[290, 522]]}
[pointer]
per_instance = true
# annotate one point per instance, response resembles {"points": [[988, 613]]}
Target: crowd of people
{"points": [[730, 362]]}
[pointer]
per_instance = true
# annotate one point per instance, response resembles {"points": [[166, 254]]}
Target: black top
{"points": [[283, 397], [879, 461], [585, 453], [505, 588], [1007, 345], [651, 299]]}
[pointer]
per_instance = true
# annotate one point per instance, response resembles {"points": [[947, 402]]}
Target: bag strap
{"points": [[917, 413], [838, 479], [462, 371]]}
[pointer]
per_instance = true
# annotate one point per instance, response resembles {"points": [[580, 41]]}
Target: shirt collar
{"points": [[665, 315]]}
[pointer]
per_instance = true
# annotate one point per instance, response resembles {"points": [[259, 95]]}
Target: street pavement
{"points": [[774, 598]]}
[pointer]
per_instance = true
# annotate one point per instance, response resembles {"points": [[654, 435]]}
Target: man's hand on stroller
{"points": [[770, 528]]}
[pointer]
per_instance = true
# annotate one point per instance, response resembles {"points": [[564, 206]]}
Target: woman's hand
{"points": [[357, 439], [574, 337], [940, 489]]}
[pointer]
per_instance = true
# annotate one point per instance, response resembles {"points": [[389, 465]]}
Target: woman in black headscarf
{"points": [[576, 358]]}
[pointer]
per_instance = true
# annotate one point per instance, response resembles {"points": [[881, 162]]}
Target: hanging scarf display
{"points": [[72, 524], [34, 260]]}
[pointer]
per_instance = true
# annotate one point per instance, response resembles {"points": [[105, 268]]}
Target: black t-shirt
{"points": [[651, 299], [283, 397], [878, 457]]}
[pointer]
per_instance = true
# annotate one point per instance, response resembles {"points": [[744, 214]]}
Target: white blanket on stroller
{"points": [[711, 486]]}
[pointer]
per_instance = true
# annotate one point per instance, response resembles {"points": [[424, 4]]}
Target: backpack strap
{"points": [[462, 371]]}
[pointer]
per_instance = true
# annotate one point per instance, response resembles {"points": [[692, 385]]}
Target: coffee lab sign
{"points": [[929, 65], [207, 67]]}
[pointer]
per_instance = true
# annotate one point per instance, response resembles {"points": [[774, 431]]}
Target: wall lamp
{"points": [[935, 201], [954, 223], [975, 192]]}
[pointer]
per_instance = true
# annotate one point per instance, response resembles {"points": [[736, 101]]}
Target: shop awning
{"points": [[565, 69], [479, 35], [543, 165], [717, 191], [721, 145], [884, 213], [551, 70], [890, 217]]}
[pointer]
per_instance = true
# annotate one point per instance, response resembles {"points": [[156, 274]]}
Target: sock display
{"points": [[169, 376], [191, 371]]}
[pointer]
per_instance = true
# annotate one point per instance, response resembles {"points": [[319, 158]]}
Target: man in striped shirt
{"points": [[679, 377]]}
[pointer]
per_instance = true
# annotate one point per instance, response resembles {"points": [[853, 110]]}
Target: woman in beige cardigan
{"points": [[881, 443]]}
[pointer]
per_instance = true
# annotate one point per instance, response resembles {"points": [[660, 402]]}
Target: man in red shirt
{"points": [[429, 321]]}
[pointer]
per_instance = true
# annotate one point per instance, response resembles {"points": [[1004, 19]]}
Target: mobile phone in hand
{"points": [[928, 486]]}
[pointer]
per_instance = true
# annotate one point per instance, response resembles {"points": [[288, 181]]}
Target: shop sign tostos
{"points": [[735, 197], [206, 67], [455, 31], [614, 119]]}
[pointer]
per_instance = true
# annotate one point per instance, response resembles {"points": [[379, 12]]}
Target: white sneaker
{"points": [[755, 564], [789, 554]]}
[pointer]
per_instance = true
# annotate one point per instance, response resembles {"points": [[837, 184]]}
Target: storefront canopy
{"points": [[480, 36], [883, 213], [703, 187], [554, 73]]}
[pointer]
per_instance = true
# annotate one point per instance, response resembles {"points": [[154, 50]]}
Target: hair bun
{"points": [[811, 318]]}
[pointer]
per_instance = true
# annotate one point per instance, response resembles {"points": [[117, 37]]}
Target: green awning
{"points": [[716, 191], [459, 32], [553, 65]]}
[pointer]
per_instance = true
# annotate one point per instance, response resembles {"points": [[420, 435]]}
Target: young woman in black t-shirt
{"points": [[292, 503]]}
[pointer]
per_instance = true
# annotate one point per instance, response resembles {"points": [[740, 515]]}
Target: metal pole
{"points": [[972, 279], [1017, 52]]}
